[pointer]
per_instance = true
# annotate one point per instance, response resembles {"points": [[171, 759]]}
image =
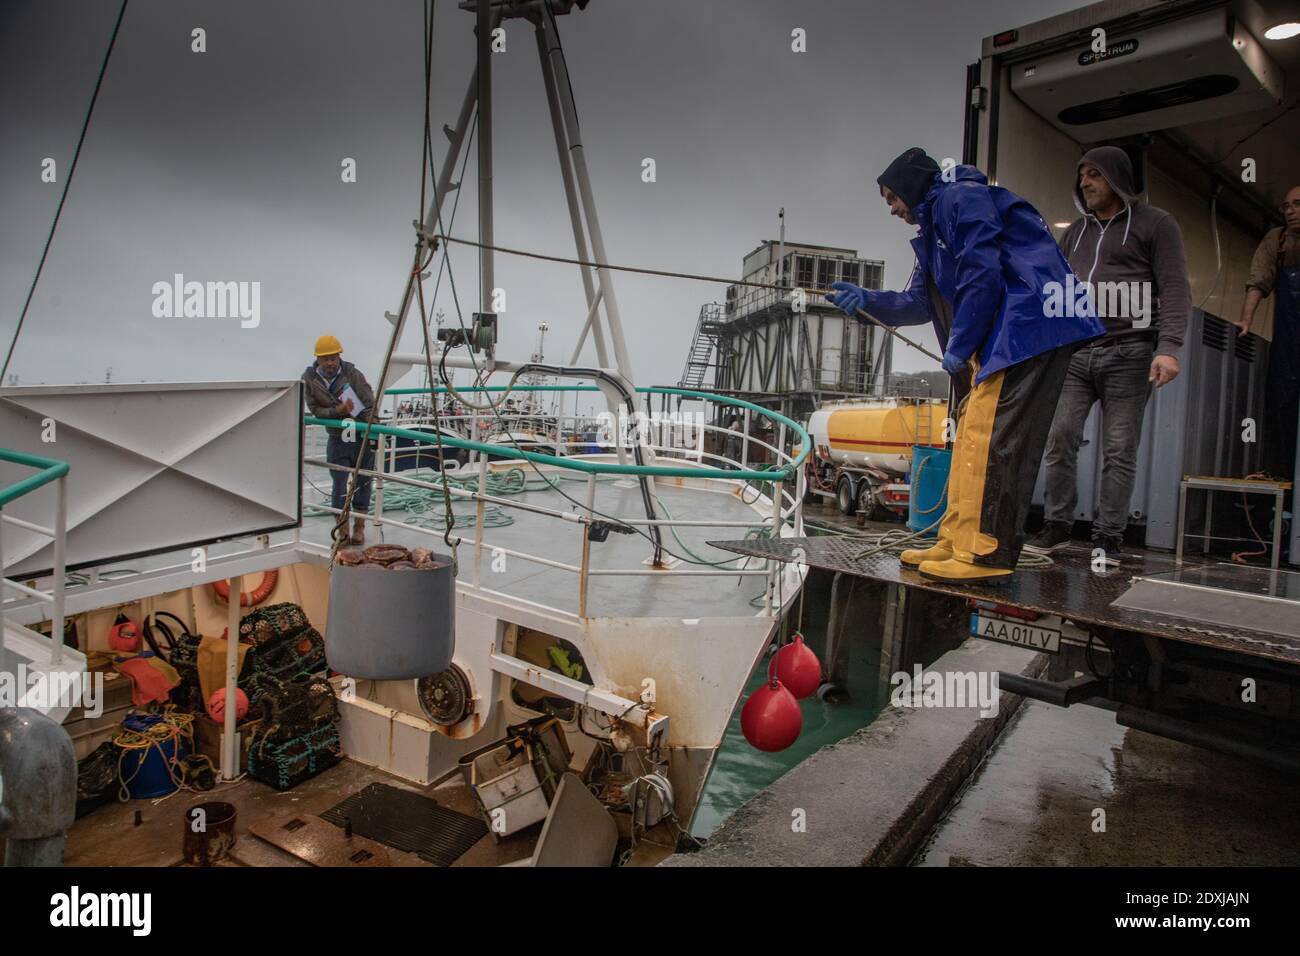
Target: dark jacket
{"points": [[1142, 244], [989, 256], [322, 397]]}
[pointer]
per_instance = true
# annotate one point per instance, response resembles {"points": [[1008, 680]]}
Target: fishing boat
{"points": [[600, 646]]}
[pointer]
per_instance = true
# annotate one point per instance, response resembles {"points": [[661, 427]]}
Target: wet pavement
{"points": [[822, 515], [1034, 801]]}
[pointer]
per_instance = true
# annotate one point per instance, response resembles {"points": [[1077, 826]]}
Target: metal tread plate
{"points": [[1069, 588], [408, 821], [320, 843]]}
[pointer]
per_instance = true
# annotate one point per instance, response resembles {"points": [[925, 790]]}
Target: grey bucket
{"points": [[391, 624]]}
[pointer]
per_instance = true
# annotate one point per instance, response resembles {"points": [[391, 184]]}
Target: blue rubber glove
{"points": [[952, 364], [850, 298]]}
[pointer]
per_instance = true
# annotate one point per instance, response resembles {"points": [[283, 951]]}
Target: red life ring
{"points": [[248, 598]]}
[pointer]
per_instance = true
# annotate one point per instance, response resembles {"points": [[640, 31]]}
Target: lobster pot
{"points": [[395, 624]]}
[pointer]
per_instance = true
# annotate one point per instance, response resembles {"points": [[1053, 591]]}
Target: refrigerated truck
{"points": [[1203, 102]]}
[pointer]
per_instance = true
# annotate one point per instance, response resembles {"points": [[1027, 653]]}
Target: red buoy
{"points": [[798, 668], [771, 719]]}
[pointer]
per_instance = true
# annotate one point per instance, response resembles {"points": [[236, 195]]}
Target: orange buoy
{"points": [[217, 704], [248, 598], [771, 719], [124, 635], [798, 668]]}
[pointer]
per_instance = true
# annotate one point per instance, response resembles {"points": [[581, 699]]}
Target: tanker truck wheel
{"points": [[844, 496], [868, 500]]}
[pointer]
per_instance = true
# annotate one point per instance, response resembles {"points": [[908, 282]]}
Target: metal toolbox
{"points": [[515, 779]]}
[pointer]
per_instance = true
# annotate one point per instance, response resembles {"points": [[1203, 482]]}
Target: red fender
{"points": [[221, 589]]}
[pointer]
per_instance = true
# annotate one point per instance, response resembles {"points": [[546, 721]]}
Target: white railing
{"points": [[56, 472], [680, 443]]}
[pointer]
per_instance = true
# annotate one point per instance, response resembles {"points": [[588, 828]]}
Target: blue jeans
{"points": [[1114, 373], [340, 452]]}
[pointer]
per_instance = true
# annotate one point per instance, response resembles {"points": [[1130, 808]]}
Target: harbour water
{"points": [[740, 771]]}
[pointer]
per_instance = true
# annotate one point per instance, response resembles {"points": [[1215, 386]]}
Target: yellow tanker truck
{"points": [[862, 450]]}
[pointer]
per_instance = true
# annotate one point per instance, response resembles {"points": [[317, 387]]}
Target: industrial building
{"points": [[776, 340]]}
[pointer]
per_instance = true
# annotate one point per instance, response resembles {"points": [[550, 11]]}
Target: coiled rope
{"points": [[172, 725]]}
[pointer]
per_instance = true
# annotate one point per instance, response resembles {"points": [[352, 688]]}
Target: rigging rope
{"points": [[669, 274], [340, 531], [72, 168], [426, 171]]}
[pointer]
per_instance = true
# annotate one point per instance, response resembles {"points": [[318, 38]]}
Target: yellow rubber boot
{"points": [[941, 550], [960, 572]]}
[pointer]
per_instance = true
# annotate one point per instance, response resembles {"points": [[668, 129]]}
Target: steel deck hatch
{"points": [[155, 467]]}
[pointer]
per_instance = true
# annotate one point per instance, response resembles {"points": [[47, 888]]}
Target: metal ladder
{"points": [[704, 346], [922, 431]]}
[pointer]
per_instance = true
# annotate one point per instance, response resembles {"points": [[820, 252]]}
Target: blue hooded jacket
{"points": [[991, 256]]}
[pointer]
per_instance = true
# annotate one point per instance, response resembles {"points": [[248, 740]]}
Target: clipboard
{"points": [[350, 398]]}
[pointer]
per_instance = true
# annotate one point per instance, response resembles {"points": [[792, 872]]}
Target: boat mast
{"points": [[579, 196], [616, 381]]}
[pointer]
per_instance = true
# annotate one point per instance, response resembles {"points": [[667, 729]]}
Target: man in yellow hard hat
{"points": [[334, 388]]}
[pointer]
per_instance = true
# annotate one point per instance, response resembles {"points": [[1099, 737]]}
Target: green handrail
{"points": [[51, 469], [442, 389], [600, 468]]}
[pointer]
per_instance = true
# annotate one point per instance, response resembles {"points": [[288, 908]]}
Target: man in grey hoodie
{"points": [[1131, 256]]}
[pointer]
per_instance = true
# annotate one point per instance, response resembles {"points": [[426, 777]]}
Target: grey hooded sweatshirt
{"points": [[1134, 262]]}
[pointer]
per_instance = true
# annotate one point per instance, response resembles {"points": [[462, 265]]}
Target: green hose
{"points": [[754, 531]]}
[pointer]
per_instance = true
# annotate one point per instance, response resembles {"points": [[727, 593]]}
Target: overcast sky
{"points": [[225, 165]]}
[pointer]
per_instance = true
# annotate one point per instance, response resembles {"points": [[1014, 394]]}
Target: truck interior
{"points": [[1193, 90]]}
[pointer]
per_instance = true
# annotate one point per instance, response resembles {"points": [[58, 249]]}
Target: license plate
{"points": [[1021, 633]]}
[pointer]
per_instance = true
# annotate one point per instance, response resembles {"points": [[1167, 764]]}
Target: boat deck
{"points": [[661, 594], [109, 835], [1069, 588]]}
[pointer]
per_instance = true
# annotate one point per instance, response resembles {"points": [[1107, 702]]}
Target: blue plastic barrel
{"points": [[151, 777], [929, 495]]}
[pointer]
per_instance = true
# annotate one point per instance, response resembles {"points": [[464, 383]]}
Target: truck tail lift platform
{"points": [[1205, 654]]}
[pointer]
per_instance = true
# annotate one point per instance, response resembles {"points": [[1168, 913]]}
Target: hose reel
{"points": [[445, 697]]}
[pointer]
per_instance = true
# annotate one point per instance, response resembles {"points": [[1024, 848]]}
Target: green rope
{"points": [[426, 509]]}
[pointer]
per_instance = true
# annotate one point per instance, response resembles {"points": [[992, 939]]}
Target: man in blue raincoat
{"points": [[1008, 314]]}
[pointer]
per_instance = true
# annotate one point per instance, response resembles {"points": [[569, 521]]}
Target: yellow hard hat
{"points": [[328, 345]]}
